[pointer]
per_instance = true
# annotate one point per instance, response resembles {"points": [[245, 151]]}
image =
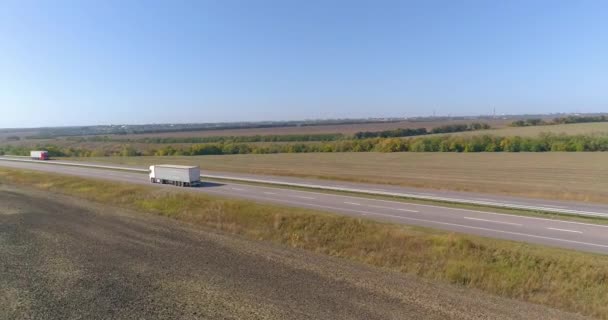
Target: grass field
{"points": [[580, 176], [563, 279]]}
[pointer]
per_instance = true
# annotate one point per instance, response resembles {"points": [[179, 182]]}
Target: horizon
{"points": [[85, 64], [371, 119]]}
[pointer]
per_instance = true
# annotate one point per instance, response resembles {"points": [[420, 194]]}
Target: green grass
{"points": [[564, 279]]}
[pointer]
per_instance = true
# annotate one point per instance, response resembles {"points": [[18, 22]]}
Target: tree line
{"points": [[562, 120], [213, 139], [444, 143], [396, 133], [291, 137]]}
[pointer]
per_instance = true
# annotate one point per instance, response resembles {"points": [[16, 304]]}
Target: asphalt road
{"points": [[65, 258], [565, 234]]}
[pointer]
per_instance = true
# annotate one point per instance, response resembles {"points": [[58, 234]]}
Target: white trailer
{"points": [[39, 155], [182, 176]]}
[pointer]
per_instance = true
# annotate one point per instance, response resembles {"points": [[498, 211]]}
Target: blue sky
{"points": [[102, 62]]}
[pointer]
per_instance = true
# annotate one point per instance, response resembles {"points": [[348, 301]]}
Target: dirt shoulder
{"points": [[64, 258]]}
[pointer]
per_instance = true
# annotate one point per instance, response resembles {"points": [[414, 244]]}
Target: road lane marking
{"points": [[446, 223], [565, 230], [493, 221], [553, 206], [390, 208], [443, 207], [380, 207], [237, 189], [265, 192], [303, 197]]}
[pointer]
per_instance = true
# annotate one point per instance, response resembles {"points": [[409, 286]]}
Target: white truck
{"points": [[39, 155], [181, 176]]}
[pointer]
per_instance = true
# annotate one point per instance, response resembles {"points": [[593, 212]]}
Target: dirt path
{"points": [[62, 258]]}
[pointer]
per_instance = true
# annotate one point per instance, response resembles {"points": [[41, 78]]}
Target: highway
{"points": [[565, 234]]}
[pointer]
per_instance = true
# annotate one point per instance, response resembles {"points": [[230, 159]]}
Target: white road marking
{"points": [[265, 192], [494, 221], [380, 207], [303, 197], [446, 223], [565, 230], [237, 189], [390, 208], [445, 208], [476, 211]]}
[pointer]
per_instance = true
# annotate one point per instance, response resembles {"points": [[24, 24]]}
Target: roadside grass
{"points": [[564, 279], [571, 176]]}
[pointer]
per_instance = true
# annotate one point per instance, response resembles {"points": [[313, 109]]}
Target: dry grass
{"points": [[580, 176], [563, 279]]}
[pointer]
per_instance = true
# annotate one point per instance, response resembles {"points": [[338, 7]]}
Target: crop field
{"points": [[569, 129], [579, 176]]}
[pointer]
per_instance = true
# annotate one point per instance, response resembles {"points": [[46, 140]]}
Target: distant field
{"points": [[21, 133], [344, 129], [570, 129], [552, 175]]}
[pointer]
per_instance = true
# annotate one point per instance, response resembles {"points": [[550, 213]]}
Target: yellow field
{"points": [[578, 176]]}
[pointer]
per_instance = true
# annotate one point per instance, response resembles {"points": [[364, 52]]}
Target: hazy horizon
{"points": [[74, 63]]}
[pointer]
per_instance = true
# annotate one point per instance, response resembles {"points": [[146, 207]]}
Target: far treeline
{"points": [[562, 120], [439, 143], [293, 137], [49, 133]]}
